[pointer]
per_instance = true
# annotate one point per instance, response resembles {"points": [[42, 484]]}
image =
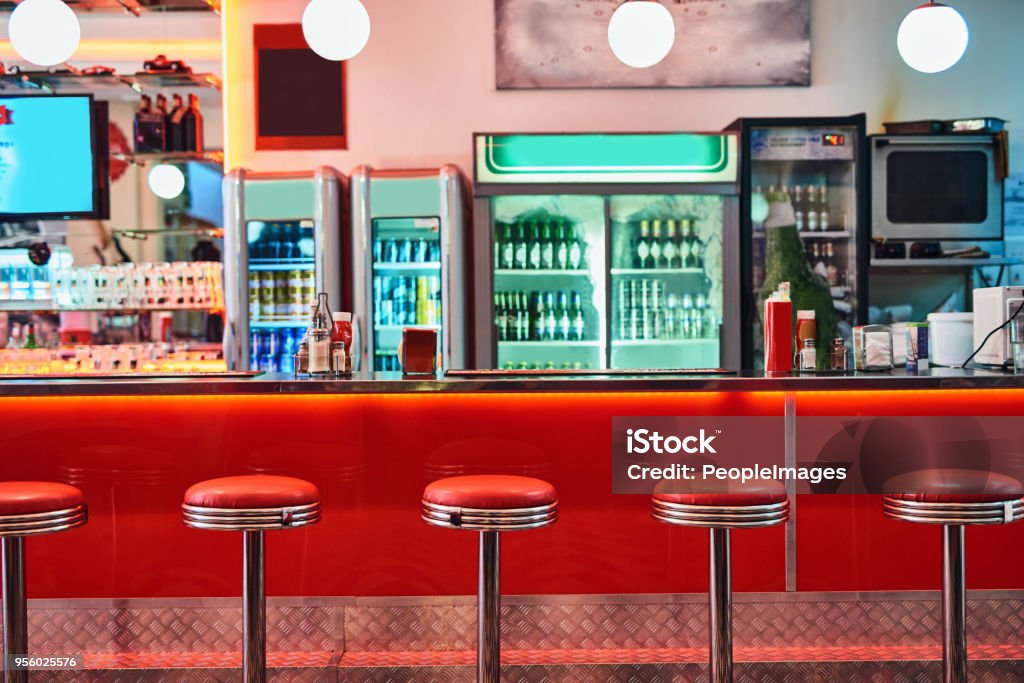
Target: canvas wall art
{"points": [[564, 44]]}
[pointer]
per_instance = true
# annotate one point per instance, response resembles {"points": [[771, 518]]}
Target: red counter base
{"points": [[371, 455]]}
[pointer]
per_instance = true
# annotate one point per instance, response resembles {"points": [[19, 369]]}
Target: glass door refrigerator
{"points": [[606, 251], [820, 163], [410, 228], [284, 240]]}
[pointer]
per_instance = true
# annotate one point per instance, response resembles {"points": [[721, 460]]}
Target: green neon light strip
{"points": [[669, 157]]}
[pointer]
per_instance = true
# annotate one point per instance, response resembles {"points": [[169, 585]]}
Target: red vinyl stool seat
{"points": [[29, 508], [489, 504], [954, 498], [720, 505], [252, 504]]}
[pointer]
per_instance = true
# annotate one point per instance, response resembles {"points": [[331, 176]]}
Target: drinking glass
{"points": [[1017, 343]]}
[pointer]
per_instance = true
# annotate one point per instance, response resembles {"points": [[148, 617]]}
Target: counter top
{"points": [[394, 383]]}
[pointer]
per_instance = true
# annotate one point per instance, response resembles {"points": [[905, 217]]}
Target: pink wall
{"points": [[425, 82]]}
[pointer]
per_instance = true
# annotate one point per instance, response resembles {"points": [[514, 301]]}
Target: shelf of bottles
{"points": [[548, 287], [282, 287], [406, 283], [666, 281], [820, 183]]}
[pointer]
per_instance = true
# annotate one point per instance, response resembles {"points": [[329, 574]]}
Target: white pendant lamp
{"points": [[166, 181], [336, 29], [641, 33], [44, 32], [932, 38]]}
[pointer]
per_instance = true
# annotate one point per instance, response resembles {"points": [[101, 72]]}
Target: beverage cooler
{"points": [[284, 239], [596, 251], [408, 268], [821, 164]]}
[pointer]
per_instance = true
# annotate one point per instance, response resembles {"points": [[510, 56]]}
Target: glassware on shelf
{"points": [[140, 286]]}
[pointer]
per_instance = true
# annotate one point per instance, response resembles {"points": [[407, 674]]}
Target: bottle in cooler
{"points": [[550, 317], [267, 282], [576, 250], [561, 246], [422, 297], [578, 323]]}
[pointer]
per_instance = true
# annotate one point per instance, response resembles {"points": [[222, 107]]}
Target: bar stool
{"points": [[759, 504], [252, 504], [948, 497], [29, 508], [489, 504]]}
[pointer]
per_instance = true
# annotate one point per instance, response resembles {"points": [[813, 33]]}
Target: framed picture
{"points": [[564, 44], [300, 97]]}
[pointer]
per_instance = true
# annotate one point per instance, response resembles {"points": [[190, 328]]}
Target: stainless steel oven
{"points": [[935, 187]]}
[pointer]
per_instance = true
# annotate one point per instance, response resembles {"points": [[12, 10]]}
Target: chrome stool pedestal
{"points": [[252, 504], [766, 505], [931, 498], [490, 504], [29, 508]]}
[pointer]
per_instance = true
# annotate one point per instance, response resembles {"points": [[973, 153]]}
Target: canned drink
{"points": [[390, 251], [405, 251], [273, 344], [397, 300], [434, 251], [624, 295], [282, 299], [254, 296], [267, 284], [657, 293], [645, 294], [420, 252], [255, 344], [297, 304]]}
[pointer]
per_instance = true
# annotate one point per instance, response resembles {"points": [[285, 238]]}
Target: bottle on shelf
{"points": [[564, 322], [175, 127], [689, 247], [823, 212], [643, 246], [499, 245], [655, 248], [670, 248], [562, 246], [799, 208], [521, 256], [550, 317], [537, 316], [819, 261], [192, 126], [831, 269], [534, 247], [577, 250], [547, 247], [813, 215], [150, 133], [508, 249], [30, 337], [576, 313]]}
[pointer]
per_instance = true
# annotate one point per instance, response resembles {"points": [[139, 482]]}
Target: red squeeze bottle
{"points": [[778, 331], [342, 331]]}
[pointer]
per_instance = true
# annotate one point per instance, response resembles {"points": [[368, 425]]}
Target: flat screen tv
{"points": [[53, 157]]}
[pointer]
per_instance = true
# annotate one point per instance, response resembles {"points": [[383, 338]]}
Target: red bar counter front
{"points": [[371, 455]]}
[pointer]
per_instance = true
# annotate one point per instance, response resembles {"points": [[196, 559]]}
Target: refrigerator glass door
{"points": [[816, 168], [406, 264], [282, 287], [666, 281], [549, 284]]}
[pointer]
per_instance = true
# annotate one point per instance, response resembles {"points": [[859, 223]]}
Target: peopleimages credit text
{"points": [[645, 441]]}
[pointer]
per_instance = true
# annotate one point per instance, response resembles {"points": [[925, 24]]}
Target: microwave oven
{"points": [[935, 187]]}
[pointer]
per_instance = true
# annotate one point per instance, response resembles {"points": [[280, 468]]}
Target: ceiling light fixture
{"points": [[641, 33], [932, 38], [336, 29], [44, 32]]}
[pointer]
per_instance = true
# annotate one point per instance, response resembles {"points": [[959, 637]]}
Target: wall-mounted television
{"points": [[53, 157]]}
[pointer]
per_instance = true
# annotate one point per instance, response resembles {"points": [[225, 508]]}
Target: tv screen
{"points": [[48, 158]]}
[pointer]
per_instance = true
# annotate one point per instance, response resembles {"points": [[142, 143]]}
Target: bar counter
{"points": [[371, 444], [395, 383]]}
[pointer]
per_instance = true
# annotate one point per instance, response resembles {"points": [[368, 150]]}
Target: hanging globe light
{"points": [[641, 33], [336, 29], [166, 181], [44, 32], [932, 38]]}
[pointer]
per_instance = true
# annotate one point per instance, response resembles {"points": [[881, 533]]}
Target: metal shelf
{"points": [[278, 324], [399, 328], [284, 264], [663, 342], [945, 262], [67, 80], [547, 344], [142, 158], [656, 271], [426, 265], [544, 271]]}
